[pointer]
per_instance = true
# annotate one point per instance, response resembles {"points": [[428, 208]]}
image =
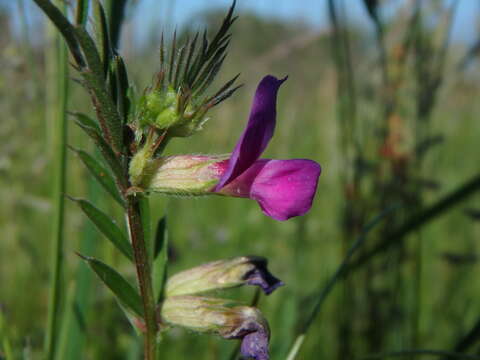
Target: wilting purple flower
{"points": [[223, 274], [217, 316], [255, 344], [283, 188]]}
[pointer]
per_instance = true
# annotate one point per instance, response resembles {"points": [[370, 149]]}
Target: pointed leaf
{"points": [[90, 51], [85, 120], [95, 133], [123, 101], [102, 175], [107, 227], [122, 289], [65, 27], [160, 259]]}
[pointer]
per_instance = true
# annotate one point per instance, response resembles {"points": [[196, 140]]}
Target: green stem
{"points": [[58, 198], [142, 264]]}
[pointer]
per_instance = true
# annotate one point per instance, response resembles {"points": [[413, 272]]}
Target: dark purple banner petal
{"points": [[258, 132]]}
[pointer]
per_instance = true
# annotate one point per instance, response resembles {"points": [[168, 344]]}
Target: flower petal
{"points": [[260, 276], [258, 132], [255, 345], [283, 188]]}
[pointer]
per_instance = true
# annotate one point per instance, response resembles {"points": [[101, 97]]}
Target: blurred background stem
{"points": [[60, 83]]}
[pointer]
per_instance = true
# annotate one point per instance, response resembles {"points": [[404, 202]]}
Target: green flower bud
{"points": [[223, 274], [158, 108]]}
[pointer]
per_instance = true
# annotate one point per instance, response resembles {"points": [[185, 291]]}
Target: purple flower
{"points": [[282, 188], [255, 344], [221, 317]]}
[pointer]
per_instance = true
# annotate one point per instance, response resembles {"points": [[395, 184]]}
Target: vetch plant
{"points": [[131, 134], [283, 188]]}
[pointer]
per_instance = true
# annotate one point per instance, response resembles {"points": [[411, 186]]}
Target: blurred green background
{"points": [[377, 95]]}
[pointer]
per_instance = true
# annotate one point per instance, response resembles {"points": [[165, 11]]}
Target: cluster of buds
{"points": [[186, 305], [175, 104], [164, 108]]}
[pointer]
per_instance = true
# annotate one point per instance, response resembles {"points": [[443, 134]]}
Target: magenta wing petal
{"points": [[282, 188], [286, 188], [258, 132]]}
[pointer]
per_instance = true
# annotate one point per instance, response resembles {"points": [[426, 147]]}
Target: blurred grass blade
{"points": [[59, 184], [422, 352], [107, 227], [469, 339], [101, 174], [73, 340], [122, 289], [116, 14], [5, 346], [81, 13], [103, 36], [160, 258], [336, 277], [416, 221]]}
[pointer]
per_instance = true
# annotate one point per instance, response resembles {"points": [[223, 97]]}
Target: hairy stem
{"points": [[143, 274]]}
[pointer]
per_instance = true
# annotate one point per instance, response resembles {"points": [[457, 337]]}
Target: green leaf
{"points": [[85, 120], [65, 28], [108, 116], [90, 51], [94, 77], [102, 175], [123, 290], [123, 101], [160, 259], [93, 131], [107, 227]]}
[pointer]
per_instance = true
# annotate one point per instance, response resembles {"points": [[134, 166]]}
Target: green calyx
{"points": [[159, 109], [167, 109]]}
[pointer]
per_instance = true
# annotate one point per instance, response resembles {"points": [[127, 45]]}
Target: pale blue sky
{"points": [[181, 12]]}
